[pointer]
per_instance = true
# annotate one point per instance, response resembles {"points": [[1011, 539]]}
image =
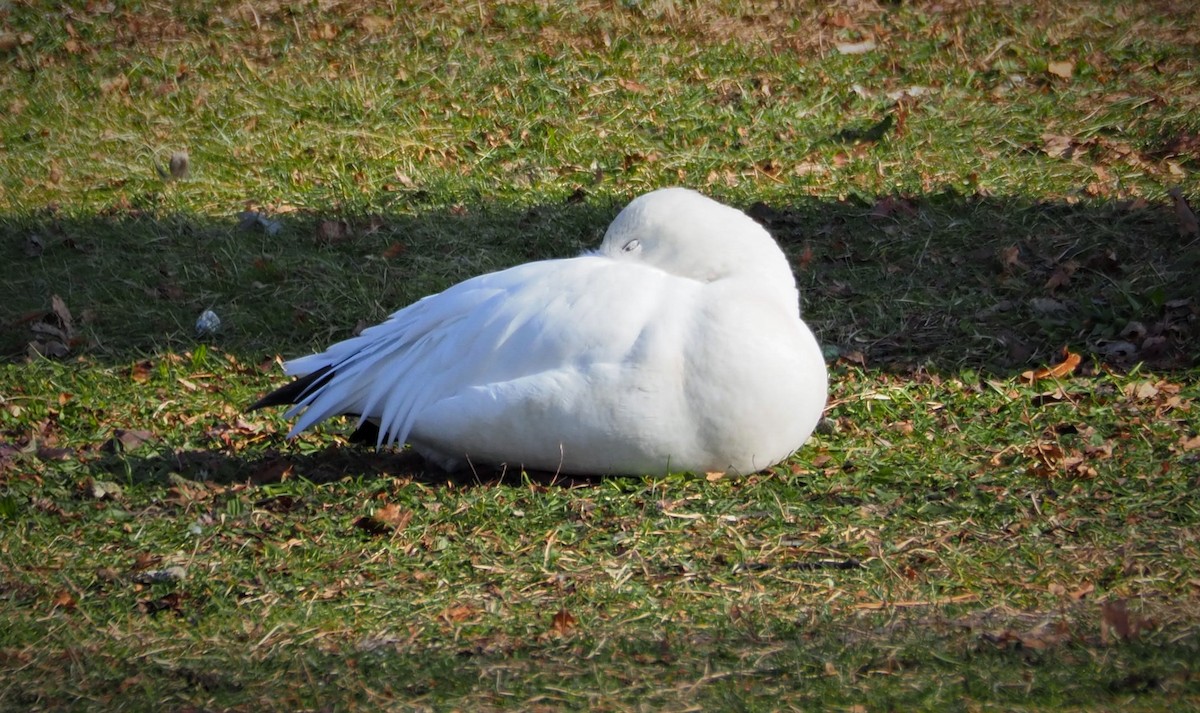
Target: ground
{"points": [[989, 211]]}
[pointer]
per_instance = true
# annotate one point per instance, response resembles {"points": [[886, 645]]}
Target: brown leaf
{"points": [[1189, 443], [1058, 146], [1114, 615], [394, 250], [1064, 69], [456, 613], [563, 622], [385, 520], [119, 83], [1189, 226], [140, 372], [1082, 591], [64, 600], [332, 231], [373, 23], [323, 31], [1061, 276], [123, 440], [1140, 390], [856, 47], [144, 560], [1064, 368], [631, 85], [1010, 258], [854, 357]]}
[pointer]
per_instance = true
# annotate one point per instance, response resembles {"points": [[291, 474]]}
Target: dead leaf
{"points": [[1070, 361], [1189, 226], [372, 24], [563, 622], [1047, 305], [1010, 258], [1082, 591], [631, 85], [1058, 146], [387, 519], [123, 440], [1061, 276], [323, 31], [1064, 69], [119, 83], [1140, 390], [53, 332], [1114, 619], [140, 372], [332, 231], [64, 600], [856, 47], [455, 613], [1189, 443]]}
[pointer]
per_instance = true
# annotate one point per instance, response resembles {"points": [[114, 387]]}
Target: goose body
{"points": [[676, 346]]}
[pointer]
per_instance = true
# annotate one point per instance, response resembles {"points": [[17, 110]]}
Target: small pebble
{"points": [[207, 324]]}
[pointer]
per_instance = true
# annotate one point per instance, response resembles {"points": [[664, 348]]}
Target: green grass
{"points": [[955, 538]]}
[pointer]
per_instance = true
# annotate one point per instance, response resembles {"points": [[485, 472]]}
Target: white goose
{"points": [[676, 346]]}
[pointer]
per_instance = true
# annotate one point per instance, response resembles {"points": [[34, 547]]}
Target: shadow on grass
{"points": [[940, 282], [327, 465]]}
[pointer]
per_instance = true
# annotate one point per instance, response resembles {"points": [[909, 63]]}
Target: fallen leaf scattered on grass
{"points": [[394, 250], [64, 600], [140, 372], [387, 519], [631, 85], [332, 231], [1063, 69], [856, 47], [1116, 619], [1066, 367], [1058, 146], [456, 613], [1010, 259], [126, 440], [1061, 276], [53, 332], [1140, 390], [1189, 226], [372, 24], [100, 489], [564, 622]]}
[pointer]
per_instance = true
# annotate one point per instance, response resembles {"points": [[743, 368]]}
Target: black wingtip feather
{"points": [[296, 391]]}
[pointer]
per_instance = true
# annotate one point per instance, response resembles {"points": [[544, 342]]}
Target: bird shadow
{"points": [[939, 282], [322, 466]]}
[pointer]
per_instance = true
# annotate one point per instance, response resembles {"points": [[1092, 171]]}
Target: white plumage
{"points": [[676, 346]]}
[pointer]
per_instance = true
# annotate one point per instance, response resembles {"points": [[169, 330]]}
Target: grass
{"points": [[956, 537]]}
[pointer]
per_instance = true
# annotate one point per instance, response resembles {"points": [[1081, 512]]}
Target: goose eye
{"points": [[631, 246]]}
